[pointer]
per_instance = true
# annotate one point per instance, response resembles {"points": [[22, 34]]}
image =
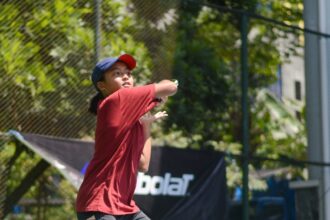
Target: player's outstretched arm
{"points": [[166, 88]]}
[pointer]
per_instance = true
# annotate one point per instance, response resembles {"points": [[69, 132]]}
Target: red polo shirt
{"points": [[110, 179]]}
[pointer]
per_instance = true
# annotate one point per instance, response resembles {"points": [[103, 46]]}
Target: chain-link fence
{"points": [[46, 56], [48, 50]]}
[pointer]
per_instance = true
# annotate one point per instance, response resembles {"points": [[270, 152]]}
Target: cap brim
{"points": [[129, 60]]}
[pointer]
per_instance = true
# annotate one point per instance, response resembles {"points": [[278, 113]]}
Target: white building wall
{"points": [[292, 72], [293, 75]]}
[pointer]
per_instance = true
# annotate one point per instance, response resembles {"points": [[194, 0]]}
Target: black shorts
{"points": [[103, 216]]}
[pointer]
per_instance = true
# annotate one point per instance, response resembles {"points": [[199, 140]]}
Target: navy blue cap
{"points": [[105, 64]]}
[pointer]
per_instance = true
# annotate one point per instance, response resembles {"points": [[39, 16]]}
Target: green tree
{"points": [[202, 50], [47, 54], [46, 58]]}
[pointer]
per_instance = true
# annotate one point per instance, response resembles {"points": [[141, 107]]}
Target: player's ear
{"points": [[101, 85]]}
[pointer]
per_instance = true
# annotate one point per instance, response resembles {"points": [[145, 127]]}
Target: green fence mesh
{"points": [[48, 50]]}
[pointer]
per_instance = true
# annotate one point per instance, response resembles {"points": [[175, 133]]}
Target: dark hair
{"points": [[94, 103], [95, 100]]}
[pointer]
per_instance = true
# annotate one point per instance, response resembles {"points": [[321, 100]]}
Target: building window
{"points": [[297, 87], [298, 115]]}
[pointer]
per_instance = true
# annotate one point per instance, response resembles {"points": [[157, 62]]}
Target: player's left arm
{"points": [[146, 121]]}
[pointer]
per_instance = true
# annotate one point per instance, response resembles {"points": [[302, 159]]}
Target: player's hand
{"points": [[163, 100], [149, 118]]}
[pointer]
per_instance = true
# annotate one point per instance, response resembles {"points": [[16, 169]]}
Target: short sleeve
{"points": [[132, 103]]}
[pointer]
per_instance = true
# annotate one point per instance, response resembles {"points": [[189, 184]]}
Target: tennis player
{"points": [[122, 140]]}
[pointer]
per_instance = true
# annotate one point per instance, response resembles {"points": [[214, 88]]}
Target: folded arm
{"points": [[146, 121]]}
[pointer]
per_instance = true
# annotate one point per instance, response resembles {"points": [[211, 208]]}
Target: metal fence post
{"points": [[245, 114], [98, 16]]}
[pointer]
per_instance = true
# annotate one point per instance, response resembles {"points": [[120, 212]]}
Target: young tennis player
{"points": [[122, 140]]}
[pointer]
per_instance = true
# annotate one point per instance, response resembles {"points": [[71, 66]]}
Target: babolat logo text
{"points": [[167, 185]]}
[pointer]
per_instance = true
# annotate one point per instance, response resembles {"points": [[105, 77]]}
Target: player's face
{"points": [[117, 77]]}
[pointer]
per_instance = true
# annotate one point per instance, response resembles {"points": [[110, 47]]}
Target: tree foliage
{"points": [[202, 50], [206, 61], [47, 54]]}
